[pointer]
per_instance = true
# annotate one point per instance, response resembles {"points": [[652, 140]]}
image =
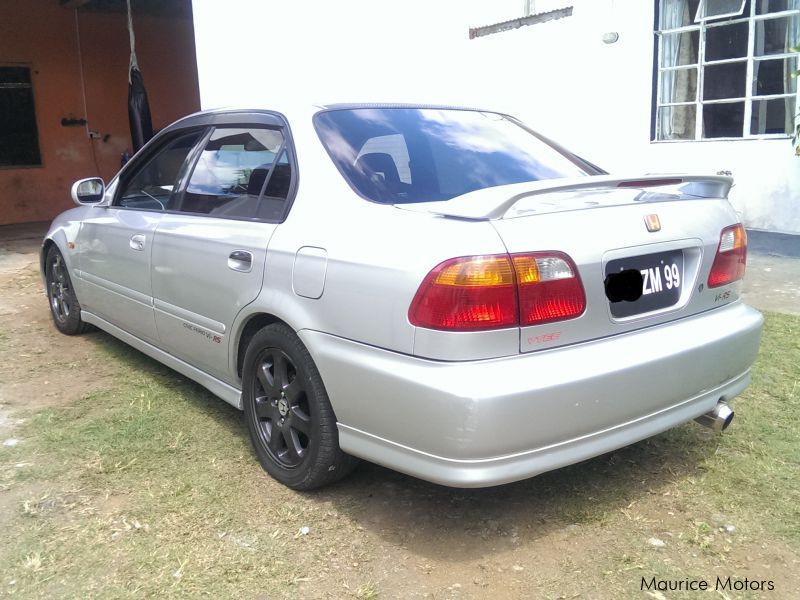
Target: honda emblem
{"points": [[652, 222]]}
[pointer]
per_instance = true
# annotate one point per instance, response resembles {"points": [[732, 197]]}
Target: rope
{"points": [[134, 63], [83, 93]]}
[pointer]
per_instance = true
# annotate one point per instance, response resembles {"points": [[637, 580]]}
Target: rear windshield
{"points": [[403, 155]]}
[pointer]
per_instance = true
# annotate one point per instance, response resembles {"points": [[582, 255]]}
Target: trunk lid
{"points": [[602, 224]]}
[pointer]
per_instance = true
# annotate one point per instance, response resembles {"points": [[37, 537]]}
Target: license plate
{"points": [[662, 280]]}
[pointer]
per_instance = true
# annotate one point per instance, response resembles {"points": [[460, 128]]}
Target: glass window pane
{"points": [[774, 76], [677, 13], [770, 6], [724, 81], [723, 120], [14, 76], [776, 36], [231, 172], [393, 146], [451, 152], [679, 85], [726, 41], [273, 203], [150, 187], [712, 9], [773, 116], [676, 122], [678, 49]]}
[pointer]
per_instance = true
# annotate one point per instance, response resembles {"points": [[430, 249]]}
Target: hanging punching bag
{"points": [[138, 110], [138, 107]]}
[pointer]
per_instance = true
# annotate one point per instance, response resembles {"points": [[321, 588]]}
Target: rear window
{"points": [[404, 155]]}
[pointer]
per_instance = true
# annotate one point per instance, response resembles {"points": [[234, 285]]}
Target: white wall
{"points": [[559, 77]]}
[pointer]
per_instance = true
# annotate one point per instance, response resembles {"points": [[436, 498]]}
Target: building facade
{"points": [[671, 86], [635, 86], [64, 88]]}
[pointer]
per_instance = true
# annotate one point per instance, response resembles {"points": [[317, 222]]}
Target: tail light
{"points": [[471, 294], [731, 258], [549, 288], [490, 292]]}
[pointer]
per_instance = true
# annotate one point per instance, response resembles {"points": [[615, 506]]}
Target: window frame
{"points": [[750, 59], [208, 123], [36, 128], [698, 18]]}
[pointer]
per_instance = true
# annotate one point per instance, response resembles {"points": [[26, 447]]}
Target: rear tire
{"points": [[64, 306], [290, 419]]}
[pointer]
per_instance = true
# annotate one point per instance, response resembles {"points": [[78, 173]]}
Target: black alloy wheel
{"points": [[290, 418], [64, 306], [59, 289], [281, 405]]}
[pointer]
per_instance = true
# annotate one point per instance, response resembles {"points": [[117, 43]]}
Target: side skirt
{"points": [[230, 394]]}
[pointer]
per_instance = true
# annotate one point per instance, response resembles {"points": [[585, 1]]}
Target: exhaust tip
{"points": [[718, 419], [725, 416]]}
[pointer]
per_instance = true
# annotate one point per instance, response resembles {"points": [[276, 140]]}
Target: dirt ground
{"points": [[773, 272], [424, 540]]}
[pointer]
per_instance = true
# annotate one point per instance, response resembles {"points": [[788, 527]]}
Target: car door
{"points": [[115, 242], [208, 256]]}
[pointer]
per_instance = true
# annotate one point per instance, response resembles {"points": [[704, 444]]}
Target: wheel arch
{"points": [[63, 230], [251, 325], [58, 239], [46, 245]]}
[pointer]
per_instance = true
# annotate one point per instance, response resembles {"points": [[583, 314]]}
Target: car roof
{"points": [[356, 105], [290, 110]]}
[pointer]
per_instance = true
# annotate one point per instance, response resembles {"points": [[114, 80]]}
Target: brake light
{"points": [[549, 288], [640, 183], [471, 294], [477, 293], [731, 258]]}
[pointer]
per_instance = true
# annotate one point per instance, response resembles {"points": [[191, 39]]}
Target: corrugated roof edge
{"points": [[551, 15]]}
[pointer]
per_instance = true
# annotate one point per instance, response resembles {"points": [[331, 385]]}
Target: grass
{"points": [[150, 488], [757, 469]]}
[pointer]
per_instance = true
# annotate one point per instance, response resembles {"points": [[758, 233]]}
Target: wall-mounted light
{"points": [[610, 37]]}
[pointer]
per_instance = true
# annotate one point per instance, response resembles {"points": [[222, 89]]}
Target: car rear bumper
{"points": [[481, 423]]}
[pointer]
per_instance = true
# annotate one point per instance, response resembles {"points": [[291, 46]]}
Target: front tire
{"points": [[64, 306], [289, 416]]}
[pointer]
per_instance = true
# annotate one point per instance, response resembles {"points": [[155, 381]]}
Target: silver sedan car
{"points": [[438, 290]]}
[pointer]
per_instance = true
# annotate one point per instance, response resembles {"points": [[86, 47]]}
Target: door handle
{"points": [[137, 242], [240, 260]]}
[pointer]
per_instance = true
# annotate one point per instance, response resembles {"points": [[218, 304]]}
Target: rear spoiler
{"points": [[699, 186], [494, 203]]}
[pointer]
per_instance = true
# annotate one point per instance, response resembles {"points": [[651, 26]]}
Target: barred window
{"points": [[725, 68]]}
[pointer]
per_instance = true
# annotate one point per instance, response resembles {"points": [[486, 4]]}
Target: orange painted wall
{"points": [[42, 35]]}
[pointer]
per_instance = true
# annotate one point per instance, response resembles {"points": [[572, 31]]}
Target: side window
{"points": [[151, 187], [235, 168]]}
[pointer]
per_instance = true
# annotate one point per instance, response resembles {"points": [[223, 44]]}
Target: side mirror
{"points": [[89, 191]]}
